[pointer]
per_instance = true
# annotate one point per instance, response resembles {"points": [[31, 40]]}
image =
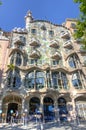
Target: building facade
{"points": [[4, 45], [46, 71]]}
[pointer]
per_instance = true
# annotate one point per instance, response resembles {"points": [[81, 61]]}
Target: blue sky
{"points": [[12, 12]]}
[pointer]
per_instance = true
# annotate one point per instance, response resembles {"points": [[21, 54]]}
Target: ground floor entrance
{"points": [[11, 106], [51, 108], [12, 111]]}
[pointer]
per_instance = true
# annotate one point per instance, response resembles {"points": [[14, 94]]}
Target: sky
{"points": [[12, 12]]}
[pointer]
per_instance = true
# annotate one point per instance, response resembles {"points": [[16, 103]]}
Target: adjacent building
{"points": [[46, 71]]}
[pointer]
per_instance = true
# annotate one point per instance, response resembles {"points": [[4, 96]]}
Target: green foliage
{"points": [[81, 23], [0, 3], [11, 66]]}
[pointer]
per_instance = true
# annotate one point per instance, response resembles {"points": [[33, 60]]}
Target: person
{"points": [[41, 117]]}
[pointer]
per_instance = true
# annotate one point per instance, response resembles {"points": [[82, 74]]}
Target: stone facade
{"points": [[46, 71]]}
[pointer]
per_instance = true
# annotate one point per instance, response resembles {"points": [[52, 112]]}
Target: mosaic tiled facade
{"points": [[46, 71]]}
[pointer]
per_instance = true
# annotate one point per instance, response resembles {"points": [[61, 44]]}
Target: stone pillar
{"points": [[35, 87], [41, 106], [0, 104], [73, 113], [23, 106], [45, 80], [51, 79], [56, 109]]}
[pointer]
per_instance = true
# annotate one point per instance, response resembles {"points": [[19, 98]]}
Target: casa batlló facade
{"points": [[46, 71]]}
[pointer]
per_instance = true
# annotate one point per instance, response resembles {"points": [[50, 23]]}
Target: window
{"points": [[55, 62], [13, 79], [59, 80], [33, 61], [39, 79], [35, 78], [23, 39], [30, 80], [18, 59], [73, 25], [73, 61], [33, 31], [76, 80], [51, 33], [43, 28]]}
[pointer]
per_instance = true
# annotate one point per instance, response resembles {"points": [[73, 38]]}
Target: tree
{"points": [[0, 3], [81, 22]]}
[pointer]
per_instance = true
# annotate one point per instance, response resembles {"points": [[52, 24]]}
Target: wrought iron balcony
{"points": [[34, 42], [55, 54], [35, 54], [54, 44], [19, 40], [84, 63], [65, 34], [67, 44], [82, 50]]}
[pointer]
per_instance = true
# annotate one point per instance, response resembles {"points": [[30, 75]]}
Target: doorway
{"points": [[62, 109], [12, 109]]}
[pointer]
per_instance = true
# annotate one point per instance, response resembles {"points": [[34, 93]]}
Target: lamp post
{"points": [[25, 117], [1, 115], [57, 116]]}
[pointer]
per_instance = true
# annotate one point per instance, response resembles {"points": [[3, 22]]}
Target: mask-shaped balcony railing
{"points": [[54, 44], [35, 54], [55, 54], [68, 44], [82, 49], [19, 41], [34, 42], [64, 34], [84, 63]]}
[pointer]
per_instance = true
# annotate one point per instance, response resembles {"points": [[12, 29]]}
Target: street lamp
{"points": [[25, 117]]}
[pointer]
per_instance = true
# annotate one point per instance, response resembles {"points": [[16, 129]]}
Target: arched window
{"points": [[76, 81], [62, 108], [39, 79], [30, 80], [59, 80], [23, 39], [73, 61], [16, 58], [48, 79], [33, 79], [13, 79]]}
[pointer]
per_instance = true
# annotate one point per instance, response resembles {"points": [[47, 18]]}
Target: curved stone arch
{"points": [[65, 97], [49, 95], [80, 97], [15, 51], [12, 98], [72, 53], [34, 104], [32, 73], [80, 106], [31, 96]]}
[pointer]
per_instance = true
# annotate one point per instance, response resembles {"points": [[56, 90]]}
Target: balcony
{"points": [[35, 54], [84, 63], [34, 42], [54, 44], [67, 44], [64, 34], [55, 54], [82, 49], [19, 41]]}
